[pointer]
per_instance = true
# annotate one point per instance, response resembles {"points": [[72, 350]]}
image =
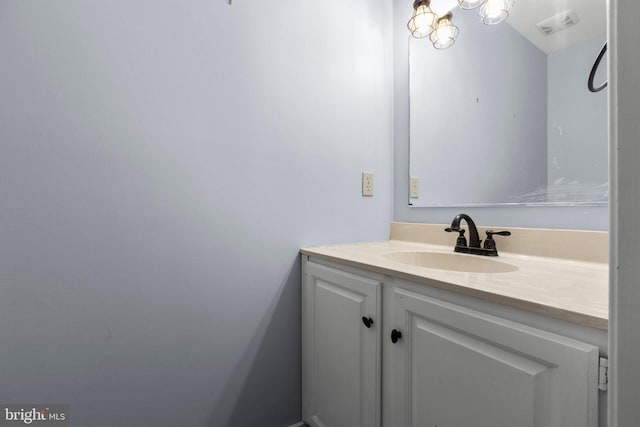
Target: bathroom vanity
{"points": [[405, 332]]}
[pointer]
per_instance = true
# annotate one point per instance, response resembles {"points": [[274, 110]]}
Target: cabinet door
{"points": [[340, 354], [455, 367]]}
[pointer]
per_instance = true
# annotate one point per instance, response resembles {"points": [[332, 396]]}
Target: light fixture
{"points": [[441, 31], [495, 11], [445, 33], [470, 4], [423, 21]]}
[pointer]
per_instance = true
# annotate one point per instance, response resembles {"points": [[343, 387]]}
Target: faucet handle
{"points": [[489, 243], [461, 241], [499, 233]]}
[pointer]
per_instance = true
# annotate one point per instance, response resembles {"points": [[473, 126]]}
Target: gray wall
{"points": [[595, 218], [161, 162]]}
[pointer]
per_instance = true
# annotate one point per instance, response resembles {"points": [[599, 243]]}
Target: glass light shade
{"points": [[423, 21], [470, 4], [495, 11], [445, 33]]}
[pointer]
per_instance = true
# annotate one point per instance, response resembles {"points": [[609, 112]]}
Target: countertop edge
{"points": [[544, 310]]}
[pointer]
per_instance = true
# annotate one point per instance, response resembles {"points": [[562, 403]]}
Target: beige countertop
{"points": [[572, 290]]}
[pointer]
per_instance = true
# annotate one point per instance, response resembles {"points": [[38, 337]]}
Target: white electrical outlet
{"points": [[367, 184], [414, 187]]}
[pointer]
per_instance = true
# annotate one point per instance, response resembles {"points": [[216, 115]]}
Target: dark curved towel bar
{"points": [[592, 74]]}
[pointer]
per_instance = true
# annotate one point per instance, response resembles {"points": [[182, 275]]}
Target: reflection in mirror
{"points": [[505, 116]]}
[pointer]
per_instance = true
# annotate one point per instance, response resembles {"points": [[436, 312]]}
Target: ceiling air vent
{"points": [[559, 22]]}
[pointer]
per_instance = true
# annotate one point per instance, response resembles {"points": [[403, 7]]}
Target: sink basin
{"points": [[451, 261]]}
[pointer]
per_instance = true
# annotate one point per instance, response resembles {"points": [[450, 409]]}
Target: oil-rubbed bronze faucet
{"points": [[489, 247]]}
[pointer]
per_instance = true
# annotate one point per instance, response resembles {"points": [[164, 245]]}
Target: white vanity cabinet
{"points": [[340, 348], [458, 367], [451, 365]]}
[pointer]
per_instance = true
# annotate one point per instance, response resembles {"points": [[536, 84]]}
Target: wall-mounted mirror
{"points": [[504, 116]]}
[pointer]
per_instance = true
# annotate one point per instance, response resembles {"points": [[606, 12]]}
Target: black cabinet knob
{"points": [[368, 321], [395, 336]]}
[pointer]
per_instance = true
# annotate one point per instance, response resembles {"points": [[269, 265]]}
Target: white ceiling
{"points": [[526, 14]]}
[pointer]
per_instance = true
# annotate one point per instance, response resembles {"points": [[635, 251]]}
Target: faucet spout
{"points": [[489, 248], [474, 238]]}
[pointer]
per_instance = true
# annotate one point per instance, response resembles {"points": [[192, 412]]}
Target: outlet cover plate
{"points": [[367, 184], [414, 187]]}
